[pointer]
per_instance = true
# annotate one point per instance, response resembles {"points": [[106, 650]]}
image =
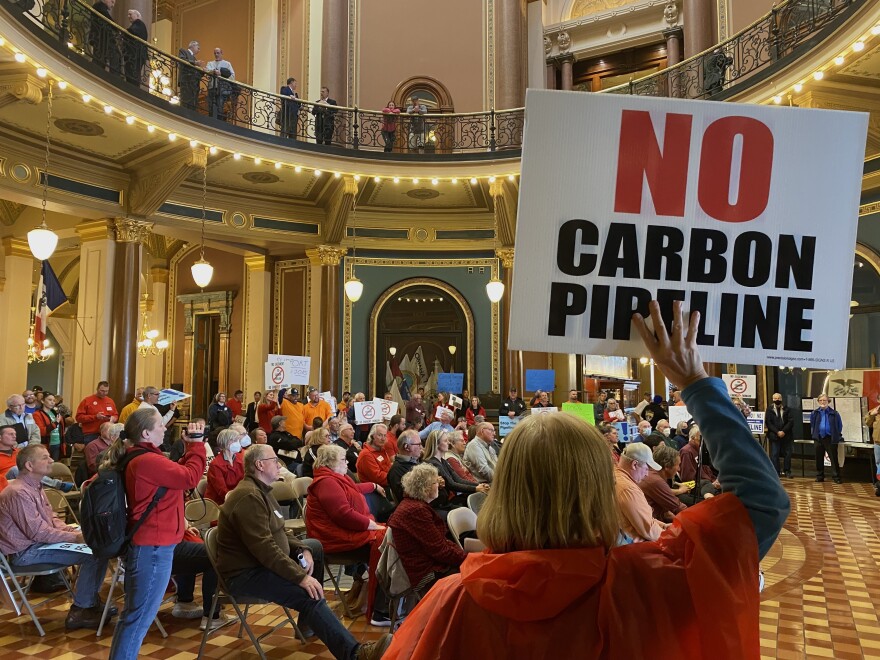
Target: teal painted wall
{"points": [[377, 279]]}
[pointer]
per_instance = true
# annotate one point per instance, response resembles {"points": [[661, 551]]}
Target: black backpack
{"points": [[103, 511]]}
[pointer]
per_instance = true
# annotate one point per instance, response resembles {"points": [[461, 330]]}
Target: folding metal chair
{"points": [[10, 574], [475, 501], [222, 590], [461, 520], [340, 559], [118, 576], [201, 513], [60, 505]]}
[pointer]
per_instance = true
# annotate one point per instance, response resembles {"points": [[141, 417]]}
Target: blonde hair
{"points": [[419, 482], [431, 443], [318, 437], [547, 497], [327, 456]]}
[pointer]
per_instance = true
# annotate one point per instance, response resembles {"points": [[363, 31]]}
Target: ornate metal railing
{"points": [[730, 64], [81, 33]]}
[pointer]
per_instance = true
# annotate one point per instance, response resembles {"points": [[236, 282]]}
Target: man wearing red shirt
{"points": [[376, 457], [94, 410], [396, 426], [235, 404]]}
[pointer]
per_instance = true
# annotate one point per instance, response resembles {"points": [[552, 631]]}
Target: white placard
{"points": [[544, 411], [723, 205], [678, 414], [330, 399], [455, 401], [740, 385], [368, 412], [168, 395], [72, 547], [387, 409], [284, 370], [756, 423]]}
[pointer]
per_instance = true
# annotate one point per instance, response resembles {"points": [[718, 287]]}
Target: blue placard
{"points": [[450, 383], [506, 424], [540, 379]]}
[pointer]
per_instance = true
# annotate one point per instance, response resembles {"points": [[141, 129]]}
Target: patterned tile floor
{"points": [[822, 576]]}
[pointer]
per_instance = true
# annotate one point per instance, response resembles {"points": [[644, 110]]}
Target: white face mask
{"points": [[645, 431], [235, 447], [666, 431], [245, 442]]}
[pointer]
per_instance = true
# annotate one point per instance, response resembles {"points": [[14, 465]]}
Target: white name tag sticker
{"points": [[380, 458], [278, 513]]}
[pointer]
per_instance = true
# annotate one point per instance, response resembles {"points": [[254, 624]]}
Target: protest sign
{"points": [[449, 382], [387, 409], [678, 414], [506, 424], [167, 396], [739, 385], [330, 399], [540, 379], [724, 206], [455, 401], [585, 411], [368, 412], [544, 411], [294, 369], [756, 423]]}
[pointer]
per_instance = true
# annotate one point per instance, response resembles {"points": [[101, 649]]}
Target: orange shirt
{"points": [[322, 410], [293, 418], [7, 462]]}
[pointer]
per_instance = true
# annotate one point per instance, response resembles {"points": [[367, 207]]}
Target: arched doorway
{"points": [[430, 326]]}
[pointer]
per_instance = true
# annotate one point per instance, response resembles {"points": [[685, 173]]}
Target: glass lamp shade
{"points": [[202, 273], [42, 242], [353, 289], [162, 344], [495, 289]]}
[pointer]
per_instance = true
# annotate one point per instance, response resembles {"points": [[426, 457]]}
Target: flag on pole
{"points": [[51, 297], [403, 386]]}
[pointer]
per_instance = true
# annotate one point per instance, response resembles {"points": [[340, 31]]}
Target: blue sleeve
{"points": [[423, 434], [744, 469]]}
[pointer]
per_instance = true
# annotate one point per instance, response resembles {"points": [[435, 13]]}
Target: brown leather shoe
{"points": [[82, 617], [374, 650]]}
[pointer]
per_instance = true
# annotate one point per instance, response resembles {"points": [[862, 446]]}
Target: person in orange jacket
{"points": [[559, 584]]}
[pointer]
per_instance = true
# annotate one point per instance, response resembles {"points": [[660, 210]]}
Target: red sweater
{"points": [[420, 539], [145, 475], [373, 465], [337, 514], [223, 477], [469, 414], [87, 413], [265, 413], [234, 405]]}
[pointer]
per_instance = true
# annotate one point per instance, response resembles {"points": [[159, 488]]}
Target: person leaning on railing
{"points": [[389, 124], [552, 576]]}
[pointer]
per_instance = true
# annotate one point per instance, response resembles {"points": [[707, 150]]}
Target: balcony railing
{"points": [[79, 32]]}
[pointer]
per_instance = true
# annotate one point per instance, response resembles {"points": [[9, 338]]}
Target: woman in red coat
{"points": [[419, 533], [554, 583], [267, 409], [337, 515], [473, 410], [227, 468]]}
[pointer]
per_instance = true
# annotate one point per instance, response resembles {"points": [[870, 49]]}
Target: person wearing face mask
{"points": [[659, 436], [778, 424], [227, 468], [644, 430], [827, 430]]}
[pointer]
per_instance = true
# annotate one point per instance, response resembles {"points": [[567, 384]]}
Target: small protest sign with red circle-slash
{"points": [[738, 386], [278, 375]]}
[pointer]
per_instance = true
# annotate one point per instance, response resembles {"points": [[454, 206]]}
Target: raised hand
{"points": [[676, 355]]}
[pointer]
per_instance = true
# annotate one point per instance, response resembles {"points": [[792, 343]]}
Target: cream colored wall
{"points": [[744, 12], [297, 43], [400, 39]]}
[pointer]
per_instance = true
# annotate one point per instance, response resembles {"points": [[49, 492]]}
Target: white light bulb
{"points": [[41, 72], [236, 156], [317, 172], [129, 120], [62, 84], [859, 46], [86, 98], [839, 60], [108, 109], [376, 179], [172, 137], [396, 179], [798, 87], [818, 75], [473, 180], [277, 166], [19, 57], [213, 151], [298, 169], [193, 143], [257, 160]]}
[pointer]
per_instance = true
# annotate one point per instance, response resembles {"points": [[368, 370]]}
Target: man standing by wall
{"points": [[779, 424]]}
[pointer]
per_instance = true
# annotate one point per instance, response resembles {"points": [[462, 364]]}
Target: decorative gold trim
{"points": [[453, 293], [95, 230], [127, 230], [868, 209], [86, 182], [723, 20], [25, 179], [278, 316], [159, 275], [870, 255], [259, 263], [362, 262], [326, 255], [16, 247], [505, 255]]}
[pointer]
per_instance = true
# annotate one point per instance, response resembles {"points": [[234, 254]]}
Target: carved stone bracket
{"points": [[9, 212], [131, 231], [326, 255], [154, 179], [339, 209], [504, 199], [17, 85], [505, 255]]}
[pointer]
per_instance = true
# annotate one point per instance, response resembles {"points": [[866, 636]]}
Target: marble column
{"points": [[698, 22], [94, 304], [536, 44], [674, 37], [334, 50], [328, 258], [511, 371], [510, 54], [125, 324], [258, 320], [154, 365], [267, 38], [16, 289], [551, 73], [567, 64]]}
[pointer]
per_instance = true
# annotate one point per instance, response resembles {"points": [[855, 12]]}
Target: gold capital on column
{"points": [[16, 247], [131, 231], [94, 230], [258, 263], [326, 255], [506, 256]]}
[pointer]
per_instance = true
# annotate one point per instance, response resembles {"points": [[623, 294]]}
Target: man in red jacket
{"points": [[374, 460], [94, 410]]}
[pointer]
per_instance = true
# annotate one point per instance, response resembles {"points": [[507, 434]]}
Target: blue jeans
{"points": [[265, 584], [781, 446], [91, 571], [877, 459], [147, 571]]}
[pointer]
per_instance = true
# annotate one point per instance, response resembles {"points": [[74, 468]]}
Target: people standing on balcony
{"points": [[290, 110], [220, 78], [188, 77], [325, 117], [135, 52], [102, 36], [417, 123], [389, 124]]}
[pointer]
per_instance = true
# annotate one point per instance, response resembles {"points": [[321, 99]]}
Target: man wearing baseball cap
{"points": [[292, 410], [637, 522]]}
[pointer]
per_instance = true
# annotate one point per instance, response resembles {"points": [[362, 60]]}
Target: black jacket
{"points": [[518, 407], [774, 422]]}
